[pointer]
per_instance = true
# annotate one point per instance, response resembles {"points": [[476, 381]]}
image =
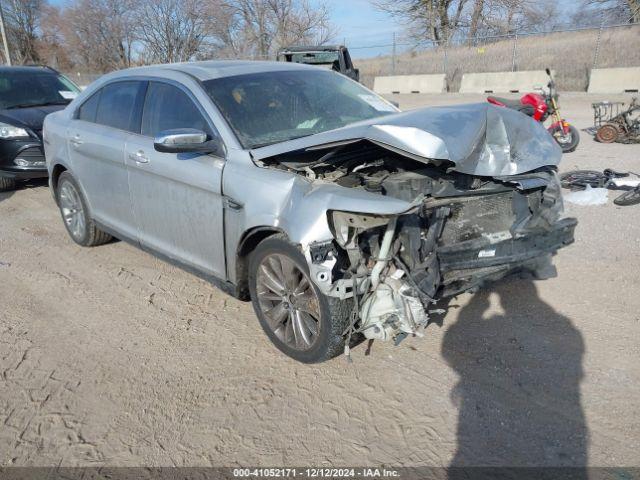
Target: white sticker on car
{"points": [[486, 253], [378, 103], [498, 236], [67, 94]]}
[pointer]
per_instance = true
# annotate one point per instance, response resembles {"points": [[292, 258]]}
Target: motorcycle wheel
{"points": [[569, 142]]}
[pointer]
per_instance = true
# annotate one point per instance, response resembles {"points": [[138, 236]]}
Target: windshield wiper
{"points": [[43, 104], [260, 145]]}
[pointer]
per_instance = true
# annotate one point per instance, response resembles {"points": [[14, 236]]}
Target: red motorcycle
{"points": [[541, 106]]}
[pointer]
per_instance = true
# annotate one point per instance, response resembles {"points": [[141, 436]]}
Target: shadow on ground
{"points": [[518, 393], [24, 185]]}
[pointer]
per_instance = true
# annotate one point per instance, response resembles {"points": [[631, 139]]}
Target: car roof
{"points": [[26, 68], [312, 48], [212, 69]]}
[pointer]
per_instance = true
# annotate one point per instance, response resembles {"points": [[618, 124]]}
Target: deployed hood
{"points": [[30, 117], [479, 139]]}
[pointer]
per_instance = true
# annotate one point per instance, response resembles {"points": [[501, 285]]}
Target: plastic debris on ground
{"points": [[588, 196]]}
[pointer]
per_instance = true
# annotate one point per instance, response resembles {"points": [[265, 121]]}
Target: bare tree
{"points": [[99, 33], [476, 17], [501, 17], [264, 26], [22, 18], [52, 48], [172, 30], [435, 20], [623, 11]]}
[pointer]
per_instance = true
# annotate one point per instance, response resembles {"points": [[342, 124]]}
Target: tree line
{"points": [[103, 35], [446, 21]]}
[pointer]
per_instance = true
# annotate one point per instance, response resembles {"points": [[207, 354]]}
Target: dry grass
{"points": [[570, 54]]}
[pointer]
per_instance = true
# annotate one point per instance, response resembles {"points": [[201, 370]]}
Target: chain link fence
{"points": [[572, 53]]}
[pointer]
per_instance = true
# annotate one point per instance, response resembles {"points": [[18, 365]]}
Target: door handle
{"points": [[75, 141], [139, 157]]}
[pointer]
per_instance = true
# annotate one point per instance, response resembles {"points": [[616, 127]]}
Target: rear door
{"points": [[176, 198], [96, 144]]}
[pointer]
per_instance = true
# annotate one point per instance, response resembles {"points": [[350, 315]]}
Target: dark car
{"points": [[335, 57], [27, 95]]}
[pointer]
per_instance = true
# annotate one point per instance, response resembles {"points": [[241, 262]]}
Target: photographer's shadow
{"points": [[518, 393]]}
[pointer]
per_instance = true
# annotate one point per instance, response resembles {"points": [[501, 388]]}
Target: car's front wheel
{"points": [[75, 214], [301, 321]]}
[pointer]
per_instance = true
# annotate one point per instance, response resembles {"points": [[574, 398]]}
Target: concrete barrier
{"points": [[503, 82], [614, 80], [410, 84]]}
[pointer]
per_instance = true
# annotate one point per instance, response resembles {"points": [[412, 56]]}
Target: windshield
{"points": [[272, 107], [23, 89], [316, 58]]}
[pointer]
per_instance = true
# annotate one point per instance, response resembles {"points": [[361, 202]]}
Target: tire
{"points": [[7, 184], [608, 133], [333, 314], [632, 197], [75, 214], [570, 145]]}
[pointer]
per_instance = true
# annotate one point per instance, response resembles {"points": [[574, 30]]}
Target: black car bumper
{"points": [[22, 159], [467, 264]]}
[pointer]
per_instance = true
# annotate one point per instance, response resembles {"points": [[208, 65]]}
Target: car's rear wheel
{"points": [[7, 184], [75, 214], [302, 322]]}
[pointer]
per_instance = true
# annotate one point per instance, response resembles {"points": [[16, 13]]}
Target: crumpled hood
{"points": [[32, 117], [480, 139]]}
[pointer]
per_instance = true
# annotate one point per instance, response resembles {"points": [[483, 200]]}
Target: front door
{"points": [[176, 198]]}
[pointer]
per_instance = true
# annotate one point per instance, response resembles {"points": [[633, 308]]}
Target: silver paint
{"points": [[197, 209]]}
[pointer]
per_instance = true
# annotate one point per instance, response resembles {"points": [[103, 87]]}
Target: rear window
{"points": [[118, 106]]}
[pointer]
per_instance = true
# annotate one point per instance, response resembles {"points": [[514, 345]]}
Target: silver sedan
{"points": [[339, 216]]}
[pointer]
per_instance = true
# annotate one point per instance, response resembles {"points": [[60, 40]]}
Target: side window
{"points": [[167, 107], [118, 107], [89, 108]]}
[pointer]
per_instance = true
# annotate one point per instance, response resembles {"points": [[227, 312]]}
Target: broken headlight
{"points": [[345, 226]]}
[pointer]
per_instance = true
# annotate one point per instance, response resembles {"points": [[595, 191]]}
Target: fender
{"points": [[538, 103]]}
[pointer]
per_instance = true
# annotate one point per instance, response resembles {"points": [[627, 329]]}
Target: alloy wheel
{"points": [[288, 301], [72, 210]]}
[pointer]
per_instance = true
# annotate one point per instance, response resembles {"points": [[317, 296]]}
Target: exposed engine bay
{"points": [[460, 231]]}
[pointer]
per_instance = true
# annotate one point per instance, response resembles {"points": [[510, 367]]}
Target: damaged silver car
{"points": [[339, 216]]}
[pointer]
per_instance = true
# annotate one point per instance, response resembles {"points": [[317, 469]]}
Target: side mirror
{"points": [[548, 71], [185, 140]]}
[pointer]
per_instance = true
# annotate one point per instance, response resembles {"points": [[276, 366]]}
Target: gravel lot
{"points": [[111, 357]]}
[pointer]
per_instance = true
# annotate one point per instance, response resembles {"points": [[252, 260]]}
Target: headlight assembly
{"points": [[9, 131], [346, 225]]}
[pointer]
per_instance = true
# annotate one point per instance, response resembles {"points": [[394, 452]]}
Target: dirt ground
{"points": [[111, 357]]}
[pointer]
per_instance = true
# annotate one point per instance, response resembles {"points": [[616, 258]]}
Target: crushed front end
{"points": [[461, 231], [480, 200]]}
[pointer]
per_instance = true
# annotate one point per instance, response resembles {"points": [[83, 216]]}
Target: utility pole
{"points": [[4, 38], [393, 55], [515, 53]]}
